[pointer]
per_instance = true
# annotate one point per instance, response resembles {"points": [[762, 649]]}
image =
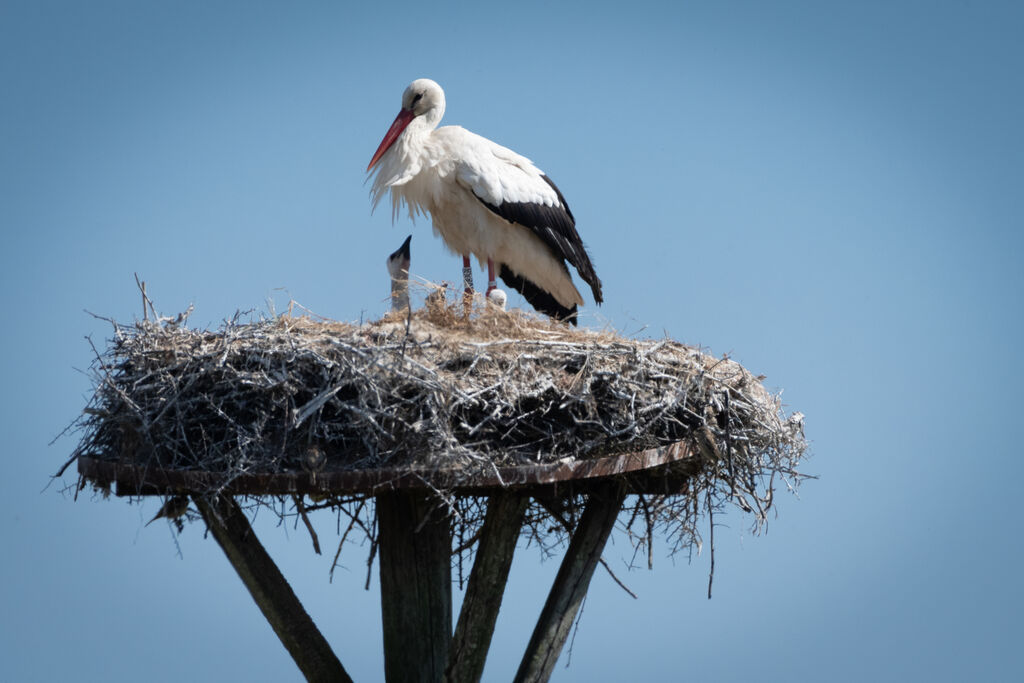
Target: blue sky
{"points": [[829, 192]]}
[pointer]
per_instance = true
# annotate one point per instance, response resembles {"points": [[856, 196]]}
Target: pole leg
{"points": [[414, 537], [270, 590], [571, 583], [475, 628]]}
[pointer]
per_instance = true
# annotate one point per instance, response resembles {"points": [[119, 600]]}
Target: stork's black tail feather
{"points": [[537, 297]]}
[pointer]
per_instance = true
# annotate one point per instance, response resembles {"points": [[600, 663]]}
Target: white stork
{"points": [[485, 200]]}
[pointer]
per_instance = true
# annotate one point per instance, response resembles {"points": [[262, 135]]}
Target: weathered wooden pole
{"points": [[270, 590], [414, 536], [571, 583], [486, 586]]}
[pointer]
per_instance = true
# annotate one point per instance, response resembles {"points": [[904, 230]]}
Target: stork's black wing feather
{"points": [[556, 227], [537, 297]]}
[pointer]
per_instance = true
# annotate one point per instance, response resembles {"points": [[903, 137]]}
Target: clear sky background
{"points": [[830, 192]]}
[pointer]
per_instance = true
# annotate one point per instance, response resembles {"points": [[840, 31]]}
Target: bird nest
{"points": [[434, 390]]}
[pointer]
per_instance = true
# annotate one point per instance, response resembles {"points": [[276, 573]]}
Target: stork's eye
{"points": [[418, 97]]}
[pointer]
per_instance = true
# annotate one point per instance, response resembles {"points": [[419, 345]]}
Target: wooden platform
{"points": [[654, 470]]}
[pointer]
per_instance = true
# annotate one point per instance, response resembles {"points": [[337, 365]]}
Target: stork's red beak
{"points": [[401, 121]]}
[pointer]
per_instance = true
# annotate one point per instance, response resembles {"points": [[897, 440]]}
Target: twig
{"points": [[711, 533], [616, 579], [373, 553], [305, 520], [352, 522]]}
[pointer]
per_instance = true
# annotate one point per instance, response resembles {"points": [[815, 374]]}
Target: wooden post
{"points": [[486, 586], [270, 590], [571, 583], [414, 537]]}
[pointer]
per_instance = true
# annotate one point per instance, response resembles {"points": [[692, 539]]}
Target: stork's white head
{"points": [[425, 98], [422, 102]]}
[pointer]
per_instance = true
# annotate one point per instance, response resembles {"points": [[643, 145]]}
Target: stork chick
{"points": [[398, 270], [497, 298]]}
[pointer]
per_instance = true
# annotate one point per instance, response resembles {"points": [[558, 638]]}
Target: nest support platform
{"points": [[415, 549], [419, 413]]}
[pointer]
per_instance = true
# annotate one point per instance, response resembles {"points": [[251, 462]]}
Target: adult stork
{"points": [[484, 200]]}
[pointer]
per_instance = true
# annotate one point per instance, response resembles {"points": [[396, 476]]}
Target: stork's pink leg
{"points": [[491, 284]]}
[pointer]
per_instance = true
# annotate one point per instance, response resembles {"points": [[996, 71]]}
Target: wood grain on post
{"points": [[571, 583], [270, 590], [414, 537]]}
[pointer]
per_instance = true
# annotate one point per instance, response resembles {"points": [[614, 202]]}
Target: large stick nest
{"points": [[431, 390]]}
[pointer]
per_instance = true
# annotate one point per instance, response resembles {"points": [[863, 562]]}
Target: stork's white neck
{"points": [[419, 129], [431, 117], [412, 151]]}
